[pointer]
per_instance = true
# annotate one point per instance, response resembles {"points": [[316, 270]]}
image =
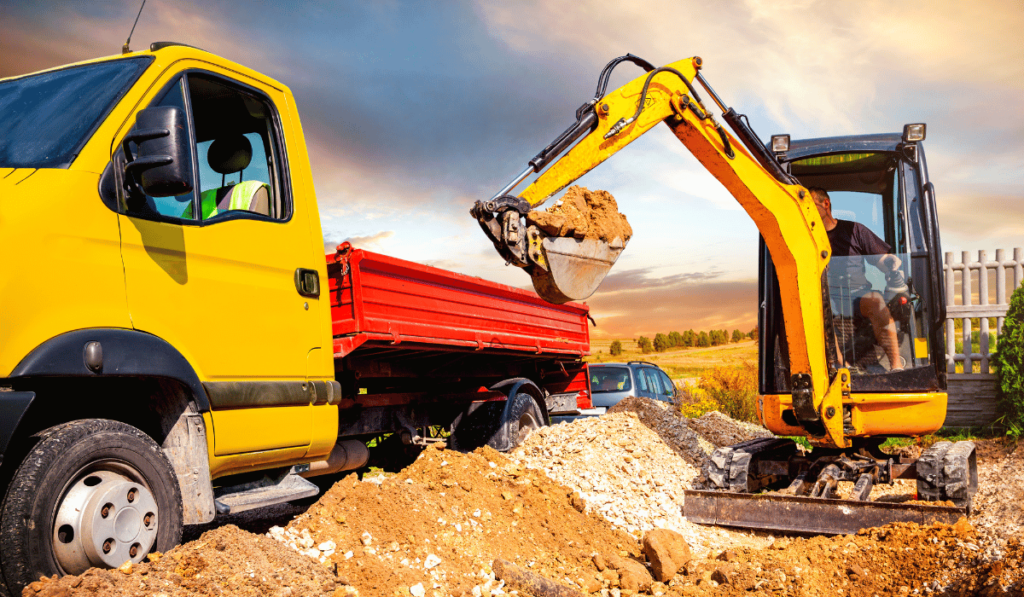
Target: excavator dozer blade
{"points": [[575, 267], [786, 513]]}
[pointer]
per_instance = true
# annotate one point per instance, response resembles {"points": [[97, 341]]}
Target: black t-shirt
{"points": [[851, 242]]}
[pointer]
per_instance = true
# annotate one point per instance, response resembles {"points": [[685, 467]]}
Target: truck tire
{"points": [[91, 493], [948, 471], [500, 425], [524, 417]]}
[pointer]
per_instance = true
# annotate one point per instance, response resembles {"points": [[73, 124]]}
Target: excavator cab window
{"points": [[878, 276]]}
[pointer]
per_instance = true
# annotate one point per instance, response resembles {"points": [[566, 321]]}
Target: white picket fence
{"points": [[972, 392]]}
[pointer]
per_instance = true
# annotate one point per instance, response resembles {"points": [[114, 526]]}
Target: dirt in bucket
{"points": [[583, 214]]}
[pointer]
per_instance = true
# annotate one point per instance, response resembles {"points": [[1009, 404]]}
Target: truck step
{"points": [[265, 492], [775, 512]]}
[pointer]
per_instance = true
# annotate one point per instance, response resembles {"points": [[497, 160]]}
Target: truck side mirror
{"points": [[163, 165]]}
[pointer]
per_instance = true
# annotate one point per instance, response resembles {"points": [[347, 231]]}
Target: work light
{"points": [[913, 133], [780, 143]]}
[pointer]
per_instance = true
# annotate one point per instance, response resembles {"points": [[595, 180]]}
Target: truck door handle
{"points": [[307, 282]]}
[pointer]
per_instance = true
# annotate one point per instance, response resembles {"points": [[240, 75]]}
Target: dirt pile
{"points": [[583, 214], [692, 439], [899, 559], [440, 523], [559, 507], [225, 561], [998, 509]]}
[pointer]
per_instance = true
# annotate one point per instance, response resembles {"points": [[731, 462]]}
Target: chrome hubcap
{"points": [[106, 519]]}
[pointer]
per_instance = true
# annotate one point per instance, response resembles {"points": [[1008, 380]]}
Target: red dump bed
{"points": [[379, 298]]}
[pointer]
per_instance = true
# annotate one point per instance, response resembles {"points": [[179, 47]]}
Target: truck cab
{"points": [[172, 345]]}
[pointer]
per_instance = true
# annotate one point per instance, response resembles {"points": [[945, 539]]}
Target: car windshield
{"points": [[604, 380], [47, 118]]}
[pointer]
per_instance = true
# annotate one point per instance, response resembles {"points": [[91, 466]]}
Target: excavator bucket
{"points": [[575, 268]]}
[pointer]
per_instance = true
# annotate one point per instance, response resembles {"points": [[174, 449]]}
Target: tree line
{"points": [[687, 339]]}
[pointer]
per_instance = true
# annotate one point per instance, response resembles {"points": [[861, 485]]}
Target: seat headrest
{"points": [[229, 154]]}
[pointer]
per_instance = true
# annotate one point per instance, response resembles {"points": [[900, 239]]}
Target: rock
{"points": [[592, 585], [856, 570], [431, 561], [632, 574], [722, 574], [667, 551], [125, 568], [417, 590], [599, 562], [727, 556]]}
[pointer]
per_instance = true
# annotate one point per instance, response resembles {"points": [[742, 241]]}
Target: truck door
{"points": [[214, 271]]}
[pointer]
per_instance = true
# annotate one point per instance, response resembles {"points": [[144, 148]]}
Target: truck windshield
{"points": [[47, 118]]}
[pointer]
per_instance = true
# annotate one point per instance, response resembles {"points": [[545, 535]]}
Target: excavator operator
{"points": [[853, 239]]}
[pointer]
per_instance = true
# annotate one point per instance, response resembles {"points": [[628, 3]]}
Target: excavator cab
{"points": [[885, 314]]}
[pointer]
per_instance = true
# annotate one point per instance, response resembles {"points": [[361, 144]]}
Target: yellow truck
{"points": [[174, 343]]}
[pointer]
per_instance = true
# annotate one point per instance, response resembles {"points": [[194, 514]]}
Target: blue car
{"points": [[611, 382]]}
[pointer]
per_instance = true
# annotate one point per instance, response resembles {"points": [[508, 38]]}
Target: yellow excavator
{"points": [[825, 372]]}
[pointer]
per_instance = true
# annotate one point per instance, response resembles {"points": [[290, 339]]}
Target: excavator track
{"points": [[726, 493], [797, 514]]}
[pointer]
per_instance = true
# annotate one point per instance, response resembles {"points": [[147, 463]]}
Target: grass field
{"points": [[680, 363]]}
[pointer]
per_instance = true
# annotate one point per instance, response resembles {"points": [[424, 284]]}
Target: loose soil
{"points": [[571, 491], [583, 214]]}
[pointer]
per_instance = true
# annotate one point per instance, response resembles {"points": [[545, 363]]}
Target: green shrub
{"points": [[616, 348], [733, 389], [1009, 363]]}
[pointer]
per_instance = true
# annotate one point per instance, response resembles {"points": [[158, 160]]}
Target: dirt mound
{"points": [[997, 505], [225, 561], [721, 430], [692, 439], [583, 214], [441, 522], [899, 559], [436, 528]]}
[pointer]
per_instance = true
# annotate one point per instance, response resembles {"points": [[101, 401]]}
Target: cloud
{"points": [[675, 307], [370, 242], [640, 279]]}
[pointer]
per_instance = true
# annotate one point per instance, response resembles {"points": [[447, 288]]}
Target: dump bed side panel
{"points": [[376, 297]]}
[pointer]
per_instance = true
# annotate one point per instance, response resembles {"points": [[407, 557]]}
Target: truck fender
{"points": [[111, 352], [512, 386], [12, 408], [501, 440]]}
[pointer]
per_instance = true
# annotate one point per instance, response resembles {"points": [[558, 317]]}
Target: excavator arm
{"points": [[569, 269]]}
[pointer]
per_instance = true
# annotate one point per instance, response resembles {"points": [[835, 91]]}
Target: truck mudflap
{"points": [[797, 514]]}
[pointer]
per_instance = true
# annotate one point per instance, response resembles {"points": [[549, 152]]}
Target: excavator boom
{"points": [[783, 211]]}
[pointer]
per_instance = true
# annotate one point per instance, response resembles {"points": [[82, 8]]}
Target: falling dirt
{"points": [[436, 528], [583, 214]]}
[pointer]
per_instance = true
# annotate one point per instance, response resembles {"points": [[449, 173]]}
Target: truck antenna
{"points": [[124, 48]]}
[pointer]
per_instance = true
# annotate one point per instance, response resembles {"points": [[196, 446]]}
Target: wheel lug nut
{"points": [[148, 520], [108, 545], [134, 551], [131, 495]]}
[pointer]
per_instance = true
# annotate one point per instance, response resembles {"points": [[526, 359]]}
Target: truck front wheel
{"points": [[91, 493]]}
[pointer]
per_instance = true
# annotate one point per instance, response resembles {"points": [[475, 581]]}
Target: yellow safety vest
{"points": [[241, 198]]}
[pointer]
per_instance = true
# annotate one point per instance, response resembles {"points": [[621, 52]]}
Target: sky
{"points": [[414, 110]]}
